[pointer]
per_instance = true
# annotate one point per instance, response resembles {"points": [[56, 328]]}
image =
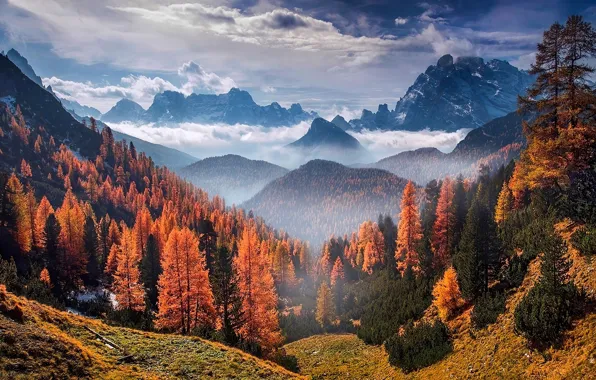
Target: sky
{"points": [[331, 56]]}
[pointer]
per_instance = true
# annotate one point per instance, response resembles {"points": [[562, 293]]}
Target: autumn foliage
{"points": [[409, 233], [442, 236], [446, 294]]}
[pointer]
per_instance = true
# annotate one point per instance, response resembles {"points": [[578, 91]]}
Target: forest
{"points": [[91, 226]]}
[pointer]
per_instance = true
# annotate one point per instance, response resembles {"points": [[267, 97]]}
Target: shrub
{"points": [[584, 240], [487, 308], [543, 314], [419, 346], [515, 273], [289, 362]]}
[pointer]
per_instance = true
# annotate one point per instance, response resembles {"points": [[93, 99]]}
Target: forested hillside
{"points": [[322, 198], [232, 177]]}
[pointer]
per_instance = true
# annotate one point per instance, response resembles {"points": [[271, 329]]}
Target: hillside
{"points": [[322, 198], [232, 177], [37, 341], [453, 94], [494, 144], [494, 352]]}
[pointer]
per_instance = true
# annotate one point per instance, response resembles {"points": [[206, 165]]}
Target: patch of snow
{"points": [[400, 117], [73, 311], [497, 92], [477, 75]]}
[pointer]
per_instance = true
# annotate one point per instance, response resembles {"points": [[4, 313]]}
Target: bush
{"points": [[487, 308], [289, 362], [543, 315], [419, 346], [516, 271], [295, 327], [584, 240]]}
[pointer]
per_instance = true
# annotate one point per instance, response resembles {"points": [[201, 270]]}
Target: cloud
{"points": [[257, 142], [386, 143], [401, 21], [140, 88], [268, 89], [348, 113], [433, 13], [198, 79]]}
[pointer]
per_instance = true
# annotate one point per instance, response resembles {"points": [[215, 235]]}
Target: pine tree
{"points": [[226, 293], [446, 294], [91, 251], [52, 250], [185, 297], [479, 249], [443, 229], [127, 286], [259, 300], [409, 233], [151, 269], [325, 314]]}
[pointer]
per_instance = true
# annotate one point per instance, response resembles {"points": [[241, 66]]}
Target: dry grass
{"points": [[47, 343], [493, 353]]}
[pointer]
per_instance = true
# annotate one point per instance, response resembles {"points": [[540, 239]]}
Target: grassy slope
{"points": [[495, 352], [37, 341]]}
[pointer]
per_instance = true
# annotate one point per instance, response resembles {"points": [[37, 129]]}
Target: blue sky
{"points": [[331, 56]]}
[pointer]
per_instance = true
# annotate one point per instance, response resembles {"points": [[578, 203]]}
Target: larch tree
{"points": [[18, 200], [259, 300], [446, 295], [25, 169], [142, 229], [325, 313], [409, 232], [504, 204], [71, 259], [442, 236], [151, 269], [337, 273], [44, 209], [372, 244], [185, 299], [127, 285]]}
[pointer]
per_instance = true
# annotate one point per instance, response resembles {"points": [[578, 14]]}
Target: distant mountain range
{"points": [[237, 106], [75, 107], [328, 141], [493, 144], [233, 177], [453, 94], [322, 198]]}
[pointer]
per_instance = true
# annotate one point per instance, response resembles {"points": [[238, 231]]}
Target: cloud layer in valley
{"points": [[256, 142]]}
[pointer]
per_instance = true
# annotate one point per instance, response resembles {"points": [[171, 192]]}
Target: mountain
{"points": [[41, 108], [237, 106], [493, 144], [124, 110], [75, 107], [322, 198], [328, 141], [232, 177], [341, 122], [22, 63], [453, 94]]}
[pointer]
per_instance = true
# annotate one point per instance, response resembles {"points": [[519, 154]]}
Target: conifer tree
{"points": [[18, 202], [185, 297], [446, 294], [409, 233], [259, 300], [127, 286], [443, 229], [151, 269], [41, 216], [91, 250], [71, 259], [504, 204], [337, 273], [325, 313], [226, 293]]}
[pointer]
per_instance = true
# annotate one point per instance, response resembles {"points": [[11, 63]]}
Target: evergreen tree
{"points": [[325, 306], [151, 269], [479, 249], [91, 249], [226, 294]]}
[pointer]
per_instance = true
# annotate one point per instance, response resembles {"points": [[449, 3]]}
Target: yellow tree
{"points": [[259, 300], [72, 259], [185, 298], [409, 232], [325, 313], [446, 294], [443, 229], [18, 199], [127, 286], [504, 204], [44, 210]]}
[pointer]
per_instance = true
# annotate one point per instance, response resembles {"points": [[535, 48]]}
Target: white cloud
{"points": [[524, 61], [401, 20], [433, 13], [386, 143], [347, 113], [198, 79], [268, 89]]}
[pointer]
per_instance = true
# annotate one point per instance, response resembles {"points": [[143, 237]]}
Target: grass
{"points": [[495, 352], [37, 341]]}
